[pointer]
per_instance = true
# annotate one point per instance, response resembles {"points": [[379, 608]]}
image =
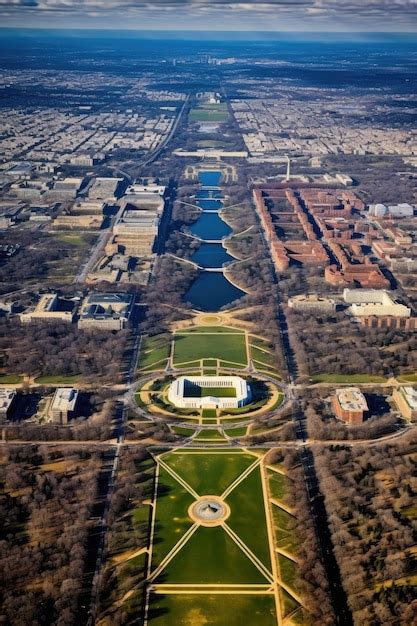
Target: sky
{"points": [[275, 15]]}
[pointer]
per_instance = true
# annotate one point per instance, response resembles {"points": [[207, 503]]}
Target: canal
{"points": [[211, 290]]}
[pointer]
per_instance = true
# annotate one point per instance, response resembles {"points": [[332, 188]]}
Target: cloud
{"points": [[353, 13]]}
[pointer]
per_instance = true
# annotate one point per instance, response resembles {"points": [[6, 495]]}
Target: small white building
{"points": [[64, 404], [217, 392]]}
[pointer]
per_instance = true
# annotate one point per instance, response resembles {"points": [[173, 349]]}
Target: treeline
{"points": [[370, 496], [47, 499], [129, 520], [312, 582], [170, 282], [43, 349], [338, 345]]}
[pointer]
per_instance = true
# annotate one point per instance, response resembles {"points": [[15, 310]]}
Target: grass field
{"points": [[348, 378], [172, 519], [203, 610], [195, 391], [227, 347], [209, 473], [209, 113], [154, 352], [227, 554], [408, 378], [210, 434], [10, 379], [185, 432]]}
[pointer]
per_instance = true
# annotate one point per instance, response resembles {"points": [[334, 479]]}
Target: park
{"points": [[204, 548]]}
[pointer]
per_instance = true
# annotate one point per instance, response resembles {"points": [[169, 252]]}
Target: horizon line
{"points": [[210, 31]]}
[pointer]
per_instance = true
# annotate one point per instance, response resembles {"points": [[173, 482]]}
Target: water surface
{"points": [[211, 255], [210, 226], [211, 291]]}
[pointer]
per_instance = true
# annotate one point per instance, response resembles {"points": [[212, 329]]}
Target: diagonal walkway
{"points": [[178, 478], [248, 552], [240, 478], [173, 552]]}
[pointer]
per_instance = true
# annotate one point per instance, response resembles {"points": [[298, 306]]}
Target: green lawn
{"points": [[71, 238], [236, 432], [408, 378], [212, 610], [278, 485], [212, 143], [348, 378], [154, 352], [195, 391], [288, 602], [58, 380], [209, 473], [210, 434], [209, 113], [266, 358], [172, 520], [228, 347], [210, 556], [211, 413], [288, 571], [185, 432], [285, 536], [212, 330], [247, 497], [10, 379]]}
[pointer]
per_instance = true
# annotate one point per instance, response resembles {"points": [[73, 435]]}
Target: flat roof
{"points": [[410, 396], [65, 399], [351, 399]]}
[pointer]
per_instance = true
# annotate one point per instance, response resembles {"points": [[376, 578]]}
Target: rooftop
{"points": [[351, 399], [65, 399]]}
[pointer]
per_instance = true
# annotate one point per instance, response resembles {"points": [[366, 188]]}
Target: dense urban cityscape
{"points": [[208, 384]]}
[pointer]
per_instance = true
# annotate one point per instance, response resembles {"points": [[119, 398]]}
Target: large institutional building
{"points": [[197, 392], [366, 302], [63, 404], [349, 405], [406, 400], [107, 311]]}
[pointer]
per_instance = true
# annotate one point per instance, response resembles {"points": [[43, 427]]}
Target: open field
{"points": [[194, 565], [228, 347], [154, 352], [210, 435], [348, 378], [10, 379], [196, 610], [219, 556], [203, 392], [209, 113]]}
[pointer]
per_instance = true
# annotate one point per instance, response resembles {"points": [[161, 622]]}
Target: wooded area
{"points": [[45, 506], [370, 496]]}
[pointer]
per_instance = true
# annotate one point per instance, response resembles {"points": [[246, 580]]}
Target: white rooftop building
{"points": [[198, 392], [366, 302], [63, 404], [394, 210]]}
